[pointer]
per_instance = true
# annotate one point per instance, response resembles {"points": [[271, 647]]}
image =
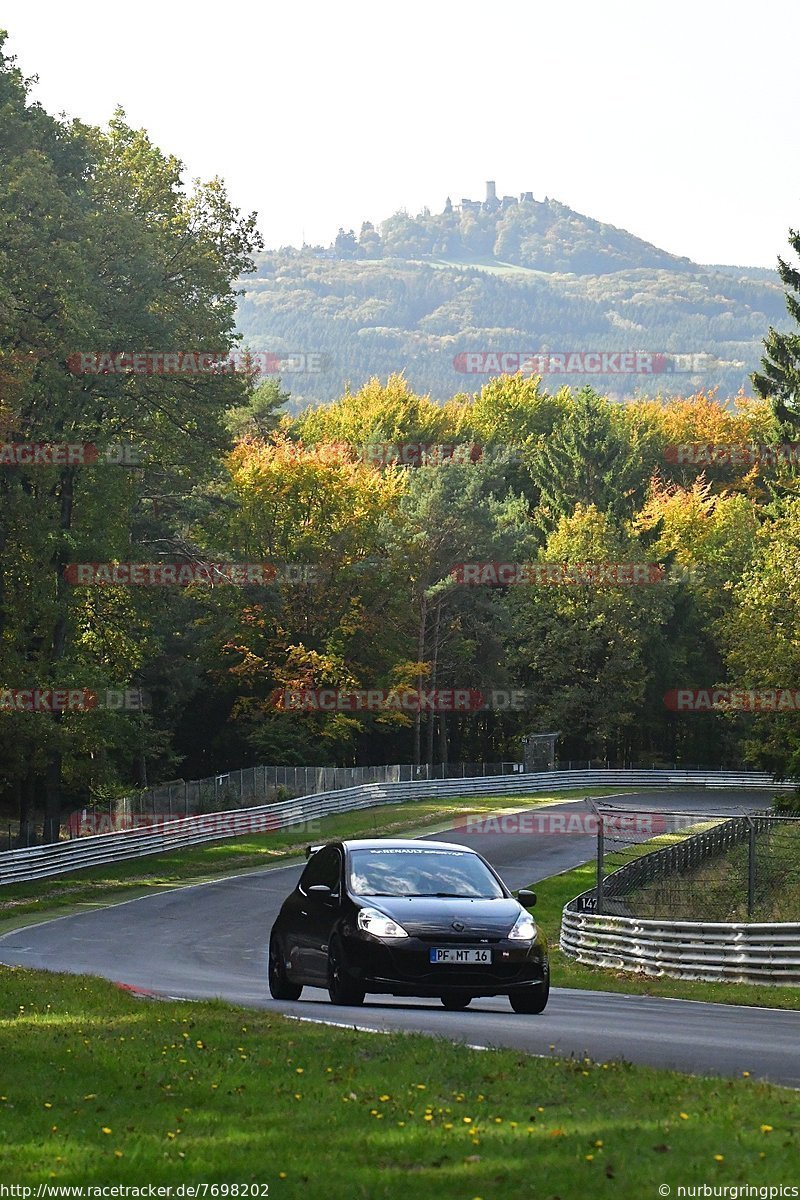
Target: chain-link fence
{"points": [[257, 785], [699, 866]]}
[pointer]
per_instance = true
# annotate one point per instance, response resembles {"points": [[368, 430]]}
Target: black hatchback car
{"points": [[407, 918]]}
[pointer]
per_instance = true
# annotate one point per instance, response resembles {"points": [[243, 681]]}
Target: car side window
{"points": [[323, 867]]}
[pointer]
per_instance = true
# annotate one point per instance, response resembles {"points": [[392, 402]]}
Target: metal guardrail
{"points": [[708, 950], [736, 952], [60, 858]]}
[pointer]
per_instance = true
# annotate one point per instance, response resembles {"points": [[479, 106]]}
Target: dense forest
{"points": [[363, 583]]}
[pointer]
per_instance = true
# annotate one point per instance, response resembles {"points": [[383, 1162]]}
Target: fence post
{"points": [[600, 857], [751, 867]]}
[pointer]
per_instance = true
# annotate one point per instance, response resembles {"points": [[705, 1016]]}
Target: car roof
{"points": [[402, 843], [388, 843]]}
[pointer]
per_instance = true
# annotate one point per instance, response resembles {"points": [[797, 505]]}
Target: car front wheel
{"points": [[342, 989], [530, 999], [279, 986]]}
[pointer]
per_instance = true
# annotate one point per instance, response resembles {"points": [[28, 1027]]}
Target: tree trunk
{"points": [[24, 794], [432, 715], [420, 655], [52, 795]]}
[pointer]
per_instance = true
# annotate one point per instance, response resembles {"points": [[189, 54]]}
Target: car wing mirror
{"points": [[322, 893], [526, 897]]}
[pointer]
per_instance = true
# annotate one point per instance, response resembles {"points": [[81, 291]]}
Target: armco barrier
{"points": [[39, 862], [736, 952], [710, 950]]}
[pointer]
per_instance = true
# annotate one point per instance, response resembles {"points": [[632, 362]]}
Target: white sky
{"points": [[675, 119]]}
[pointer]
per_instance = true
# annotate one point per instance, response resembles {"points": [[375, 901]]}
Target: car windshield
{"points": [[415, 871]]}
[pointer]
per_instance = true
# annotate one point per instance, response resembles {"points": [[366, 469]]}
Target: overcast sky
{"points": [[677, 121]]}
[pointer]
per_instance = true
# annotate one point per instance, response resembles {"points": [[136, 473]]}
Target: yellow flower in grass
{"points": [[684, 1116], [105, 1129], [766, 1129], [719, 1158]]}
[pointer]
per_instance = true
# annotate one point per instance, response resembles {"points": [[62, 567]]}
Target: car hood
{"points": [[425, 916]]}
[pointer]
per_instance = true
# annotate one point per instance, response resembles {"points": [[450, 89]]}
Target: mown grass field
{"points": [[99, 1088]]}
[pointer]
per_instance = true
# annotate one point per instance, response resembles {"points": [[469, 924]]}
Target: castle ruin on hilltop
{"points": [[490, 204]]}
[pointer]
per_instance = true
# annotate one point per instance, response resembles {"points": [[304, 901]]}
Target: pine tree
{"points": [[589, 459], [780, 382]]}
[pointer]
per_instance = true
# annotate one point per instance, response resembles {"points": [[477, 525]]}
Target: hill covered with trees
{"points": [[509, 275]]}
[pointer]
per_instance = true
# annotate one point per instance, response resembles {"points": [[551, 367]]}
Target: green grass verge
{"points": [[20, 903], [101, 1089], [553, 894]]}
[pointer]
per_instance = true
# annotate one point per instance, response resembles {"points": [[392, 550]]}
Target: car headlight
{"points": [[377, 923], [524, 928]]}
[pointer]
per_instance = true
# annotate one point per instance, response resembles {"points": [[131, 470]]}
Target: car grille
{"points": [[445, 932]]}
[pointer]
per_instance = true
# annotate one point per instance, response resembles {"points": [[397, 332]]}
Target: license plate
{"points": [[466, 955]]}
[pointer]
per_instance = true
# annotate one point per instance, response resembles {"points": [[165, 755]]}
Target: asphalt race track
{"points": [[210, 940]]}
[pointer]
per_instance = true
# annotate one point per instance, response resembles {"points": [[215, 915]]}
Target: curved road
{"points": [[209, 940]]}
